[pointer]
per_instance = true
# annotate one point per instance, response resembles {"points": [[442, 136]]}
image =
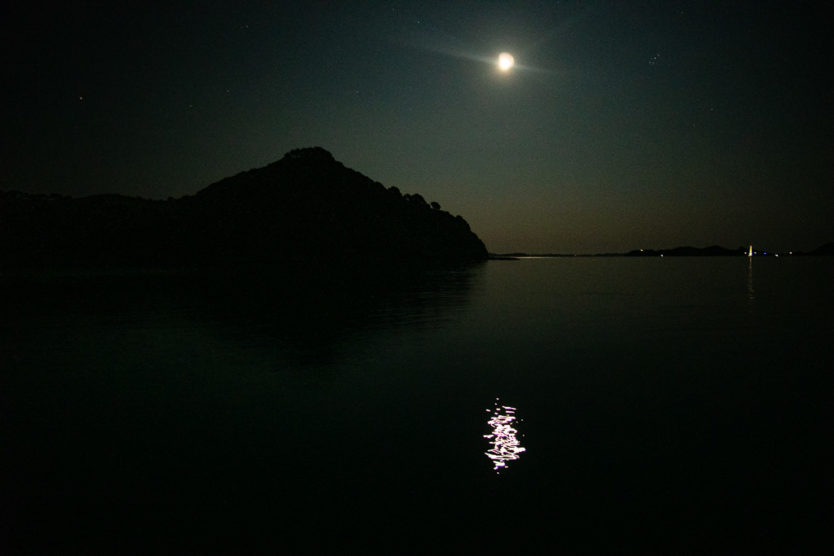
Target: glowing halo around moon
{"points": [[505, 61]]}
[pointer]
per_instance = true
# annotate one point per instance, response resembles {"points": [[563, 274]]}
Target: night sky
{"points": [[623, 124]]}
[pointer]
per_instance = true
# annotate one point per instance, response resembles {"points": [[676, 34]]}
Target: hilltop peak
{"points": [[309, 153]]}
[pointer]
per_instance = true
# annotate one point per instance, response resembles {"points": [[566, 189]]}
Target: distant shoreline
{"points": [[685, 251]]}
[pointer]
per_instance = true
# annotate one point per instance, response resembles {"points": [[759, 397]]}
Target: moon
{"points": [[505, 61]]}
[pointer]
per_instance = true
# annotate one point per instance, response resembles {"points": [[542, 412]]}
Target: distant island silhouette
{"points": [[305, 211], [683, 251]]}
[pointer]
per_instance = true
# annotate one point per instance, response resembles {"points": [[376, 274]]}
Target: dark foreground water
{"points": [[550, 405]]}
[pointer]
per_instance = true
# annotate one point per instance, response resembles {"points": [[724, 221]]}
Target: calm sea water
{"points": [[564, 405]]}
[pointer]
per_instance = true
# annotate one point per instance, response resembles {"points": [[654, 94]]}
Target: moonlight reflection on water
{"points": [[505, 444]]}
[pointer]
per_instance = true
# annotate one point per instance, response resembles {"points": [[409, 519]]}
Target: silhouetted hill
{"points": [[306, 209], [827, 249]]}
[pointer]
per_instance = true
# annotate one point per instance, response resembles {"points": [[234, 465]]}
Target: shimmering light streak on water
{"points": [[505, 444]]}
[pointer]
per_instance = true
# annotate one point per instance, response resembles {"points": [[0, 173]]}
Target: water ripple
{"points": [[505, 444]]}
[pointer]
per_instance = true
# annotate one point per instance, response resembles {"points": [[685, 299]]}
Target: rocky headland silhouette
{"points": [[305, 211]]}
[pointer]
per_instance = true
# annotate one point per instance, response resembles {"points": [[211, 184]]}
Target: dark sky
{"points": [[624, 125]]}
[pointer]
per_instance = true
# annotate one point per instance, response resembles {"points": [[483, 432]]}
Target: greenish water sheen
{"points": [[633, 404]]}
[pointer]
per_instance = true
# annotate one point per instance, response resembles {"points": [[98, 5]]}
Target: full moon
{"points": [[505, 61]]}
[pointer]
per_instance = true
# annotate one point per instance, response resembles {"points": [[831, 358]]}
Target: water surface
{"points": [[647, 404]]}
